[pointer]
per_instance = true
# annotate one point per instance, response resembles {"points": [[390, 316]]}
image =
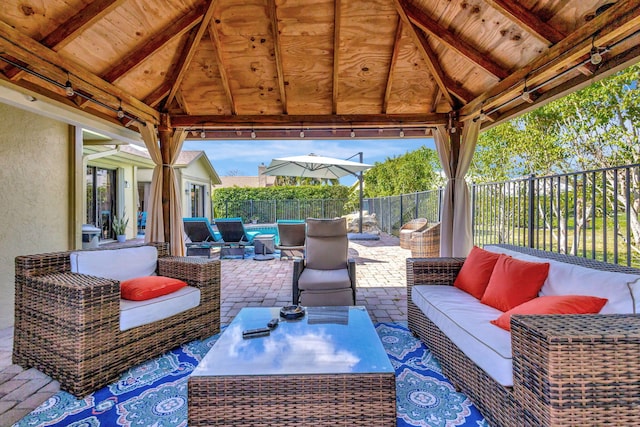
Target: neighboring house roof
{"points": [[246, 181], [185, 158]]}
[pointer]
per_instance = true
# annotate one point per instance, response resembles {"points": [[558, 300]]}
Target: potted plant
{"points": [[254, 219], [119, 227]]}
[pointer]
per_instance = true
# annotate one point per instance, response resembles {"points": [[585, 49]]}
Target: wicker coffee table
{"points": [[326, 369]]}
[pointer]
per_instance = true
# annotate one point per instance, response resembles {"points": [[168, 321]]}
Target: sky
{"points": [[244, 157]]}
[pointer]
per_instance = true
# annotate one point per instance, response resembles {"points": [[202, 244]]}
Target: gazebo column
{"points": [[165, 133]]}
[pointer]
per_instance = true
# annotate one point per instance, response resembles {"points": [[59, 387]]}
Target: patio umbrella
{"points": [[313, 166]]}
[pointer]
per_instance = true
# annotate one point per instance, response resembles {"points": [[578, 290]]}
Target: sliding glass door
{"points": [[101, 199]]}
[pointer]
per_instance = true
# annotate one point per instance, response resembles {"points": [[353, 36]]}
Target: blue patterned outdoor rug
{"points": [[155, 393]]}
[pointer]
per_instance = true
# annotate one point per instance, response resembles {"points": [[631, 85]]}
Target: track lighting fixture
{"points": [[68, 89], [596, 56], [120, 112]]}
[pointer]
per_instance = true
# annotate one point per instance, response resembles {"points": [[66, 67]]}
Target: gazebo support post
{"points": [[165, 134]]}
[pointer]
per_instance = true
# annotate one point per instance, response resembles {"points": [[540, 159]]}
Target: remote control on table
{"points": [[254, 333], [273, 323]]}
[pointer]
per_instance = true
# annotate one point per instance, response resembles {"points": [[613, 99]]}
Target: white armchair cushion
{"points": [[138, 313], [117, 264]]}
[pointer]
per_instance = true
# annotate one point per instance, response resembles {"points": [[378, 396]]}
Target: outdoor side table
{"points": [[325, 369], [264, 245]]}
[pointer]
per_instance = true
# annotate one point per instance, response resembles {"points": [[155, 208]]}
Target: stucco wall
{"points": [[34, 193]]}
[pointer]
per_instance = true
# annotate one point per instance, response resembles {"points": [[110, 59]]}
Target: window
{"points": [[197, 200]]}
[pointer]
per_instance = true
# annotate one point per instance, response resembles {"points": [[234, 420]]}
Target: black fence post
{"points": [[473, 212], [416, 214], [532, 209]]}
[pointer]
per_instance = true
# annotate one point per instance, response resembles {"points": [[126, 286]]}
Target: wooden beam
{"points": [[392, 64], [618, 63], [346, 121], [427, 53], [322, 133], [217, 46], [433, 28], [27, 50], [72, 28], [190, 50], [155, 97], [336, 53], [273, 17], [155, 43], [527, 20], [622, 17]]}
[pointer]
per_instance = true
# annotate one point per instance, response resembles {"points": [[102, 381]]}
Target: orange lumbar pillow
{"points": [[557, 304], [514, 282], [147, 287], [475, 273]]}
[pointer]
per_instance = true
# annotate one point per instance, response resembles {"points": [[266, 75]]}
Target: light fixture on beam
{"points": [[401, 134], [68, 88], [253, 134], [353, 133], [120, 112], [595, 55], [203, 134]]}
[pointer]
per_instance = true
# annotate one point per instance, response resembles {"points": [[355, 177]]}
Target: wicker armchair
{"points": [[426, 243], [418, 224], [67, 324]]}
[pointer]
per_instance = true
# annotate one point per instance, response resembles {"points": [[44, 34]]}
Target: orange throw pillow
{"points": [[514, 282], [558, 304], [475, 273], [147, 287]]}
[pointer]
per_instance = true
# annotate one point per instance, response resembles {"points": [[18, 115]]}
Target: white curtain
{"points": [[456, 238], [154, 231]]}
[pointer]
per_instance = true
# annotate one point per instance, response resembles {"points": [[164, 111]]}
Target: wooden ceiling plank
{"points": [[336, 55], [528, 20], [157, 42], [427, 53], [214, 36], [430, 26], [273, 17], [345, 121], [623, 16], [436, 99], [392, 64], [189, 52], [29, 51], [72, 28]]}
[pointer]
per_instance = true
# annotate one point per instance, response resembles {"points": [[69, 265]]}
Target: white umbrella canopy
{"points": [[313, 166]]}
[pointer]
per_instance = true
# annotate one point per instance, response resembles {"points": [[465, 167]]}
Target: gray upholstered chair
{"points": [[326, 276]]}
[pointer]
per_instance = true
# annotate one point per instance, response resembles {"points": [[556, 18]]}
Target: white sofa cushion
{"points": [[570, 279], [138, 313], [117, 264], [465, 320]]}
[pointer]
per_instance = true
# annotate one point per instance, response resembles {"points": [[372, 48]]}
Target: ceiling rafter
{"points": [[154, 44], [392, 65], [188, 53], [217, 46], [29, 51], [343, 121], [528, 20], [155, 97], [72, 28], [273, 17], [617, 20], [433, 28], [427, 53], [336, 54]]}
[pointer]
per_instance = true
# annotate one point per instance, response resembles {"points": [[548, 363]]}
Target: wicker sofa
{"points": [[567, 369], [67, 325]]}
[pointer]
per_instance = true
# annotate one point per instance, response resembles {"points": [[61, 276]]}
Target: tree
{"points": [[414, 171], [595, 128]]}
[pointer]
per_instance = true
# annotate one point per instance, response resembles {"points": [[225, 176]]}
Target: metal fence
{"points": [[268, 211], [592, 214]]}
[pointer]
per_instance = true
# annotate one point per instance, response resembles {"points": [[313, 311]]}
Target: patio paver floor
{"points": [[381, 279]]}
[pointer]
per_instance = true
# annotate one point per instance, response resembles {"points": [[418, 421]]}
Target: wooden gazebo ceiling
{"points": [[329, 68]]}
